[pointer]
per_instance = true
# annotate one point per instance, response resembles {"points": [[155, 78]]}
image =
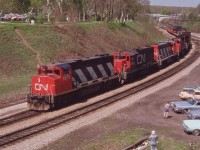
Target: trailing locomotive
{"points": [[128, 63], [67, 82], [175, 30]]}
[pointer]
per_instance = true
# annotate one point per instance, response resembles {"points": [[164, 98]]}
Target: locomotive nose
{"points": [[40, 85]]}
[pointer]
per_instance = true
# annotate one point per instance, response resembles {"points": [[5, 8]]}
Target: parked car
{"points": [[6, 17], [190, 93], [20, 17], [193, 114], [191, 126], [188, 88], [184, 106]]}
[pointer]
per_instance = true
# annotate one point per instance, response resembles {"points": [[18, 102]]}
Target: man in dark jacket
{"points": [[153, 140]]}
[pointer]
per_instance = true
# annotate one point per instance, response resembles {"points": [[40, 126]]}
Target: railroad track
{"points": [[12, 102], [141, 143], [195, 38], [17, 117], [21, 134]]}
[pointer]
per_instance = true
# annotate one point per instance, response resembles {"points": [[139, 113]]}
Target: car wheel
{"points": [[196, 132], [193, 117], [184, 111]]}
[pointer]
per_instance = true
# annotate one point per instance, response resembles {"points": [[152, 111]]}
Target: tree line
{"points": [[77, 10]]}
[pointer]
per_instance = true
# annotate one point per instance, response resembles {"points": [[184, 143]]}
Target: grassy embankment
{"points": [[116, 140], [18, 63], [192, 26]]}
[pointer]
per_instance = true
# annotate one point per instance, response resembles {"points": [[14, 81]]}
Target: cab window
{"points": [[57, 72], [49, 71], [197, 93]]}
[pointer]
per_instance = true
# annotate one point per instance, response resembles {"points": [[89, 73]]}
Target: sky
{"points": [[178, 3]]}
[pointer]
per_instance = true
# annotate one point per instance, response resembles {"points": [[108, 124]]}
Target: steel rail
{"points": [[17, 117]]}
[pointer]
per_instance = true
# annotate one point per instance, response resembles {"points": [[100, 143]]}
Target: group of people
{"points": [[153, 138]]}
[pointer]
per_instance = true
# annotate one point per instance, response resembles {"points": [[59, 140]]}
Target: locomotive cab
{"points": [[176, 46], [121, 62], [121, 65], [51, 80], [163, 53]]}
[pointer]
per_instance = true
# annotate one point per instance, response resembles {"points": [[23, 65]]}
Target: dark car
{"points": [[193, 114], [184, 106]]}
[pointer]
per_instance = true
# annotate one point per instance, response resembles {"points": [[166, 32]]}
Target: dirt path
{"points": [[26, 43]]}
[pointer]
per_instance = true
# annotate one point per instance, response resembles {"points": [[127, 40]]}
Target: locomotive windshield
{"points": [[57, 72], [121, 56]]}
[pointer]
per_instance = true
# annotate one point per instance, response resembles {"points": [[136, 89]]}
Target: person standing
{"points": [[166, 110], [153, 140]]}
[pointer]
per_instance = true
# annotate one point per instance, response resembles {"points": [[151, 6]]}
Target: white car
{"points": [[191, 126], [192, 93]]}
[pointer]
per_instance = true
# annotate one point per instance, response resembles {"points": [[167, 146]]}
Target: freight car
{"points": [[66, 82]]}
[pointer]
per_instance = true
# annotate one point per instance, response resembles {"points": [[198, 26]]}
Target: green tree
{"points": [[198, 8], [5, 6], [192, 16], [20, 6], [37, 6], [165, 12]]}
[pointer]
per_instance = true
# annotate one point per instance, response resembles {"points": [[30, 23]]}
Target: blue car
{"points": [[191, 126], [184, 106], [188, 88], [193, 114]]}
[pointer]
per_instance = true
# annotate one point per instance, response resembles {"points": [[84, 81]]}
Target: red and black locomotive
{"points": [[66, 82]]}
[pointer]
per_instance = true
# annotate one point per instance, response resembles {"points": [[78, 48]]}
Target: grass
{"points": [[14, 85], [117, 140], [192, 26]]}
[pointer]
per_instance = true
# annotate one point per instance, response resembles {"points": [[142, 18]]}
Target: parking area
{"points": [[13, 17]]}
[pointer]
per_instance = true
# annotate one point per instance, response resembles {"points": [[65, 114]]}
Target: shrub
{"points": [[41, 18]]}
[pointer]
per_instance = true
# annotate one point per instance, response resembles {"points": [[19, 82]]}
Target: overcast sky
{"points": [[180, 3]]}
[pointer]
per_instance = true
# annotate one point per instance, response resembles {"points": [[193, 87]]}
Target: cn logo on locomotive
{"points": [[141, 59], [39, 87]]}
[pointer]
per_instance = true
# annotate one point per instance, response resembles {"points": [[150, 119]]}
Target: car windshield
{"points": [[188, 90], [191, 101]]}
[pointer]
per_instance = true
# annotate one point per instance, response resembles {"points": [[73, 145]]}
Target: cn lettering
{"points": [[141, 59], [39, 87]]}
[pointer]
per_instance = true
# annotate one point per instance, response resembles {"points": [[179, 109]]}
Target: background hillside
{"points": [[58, 42]]}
